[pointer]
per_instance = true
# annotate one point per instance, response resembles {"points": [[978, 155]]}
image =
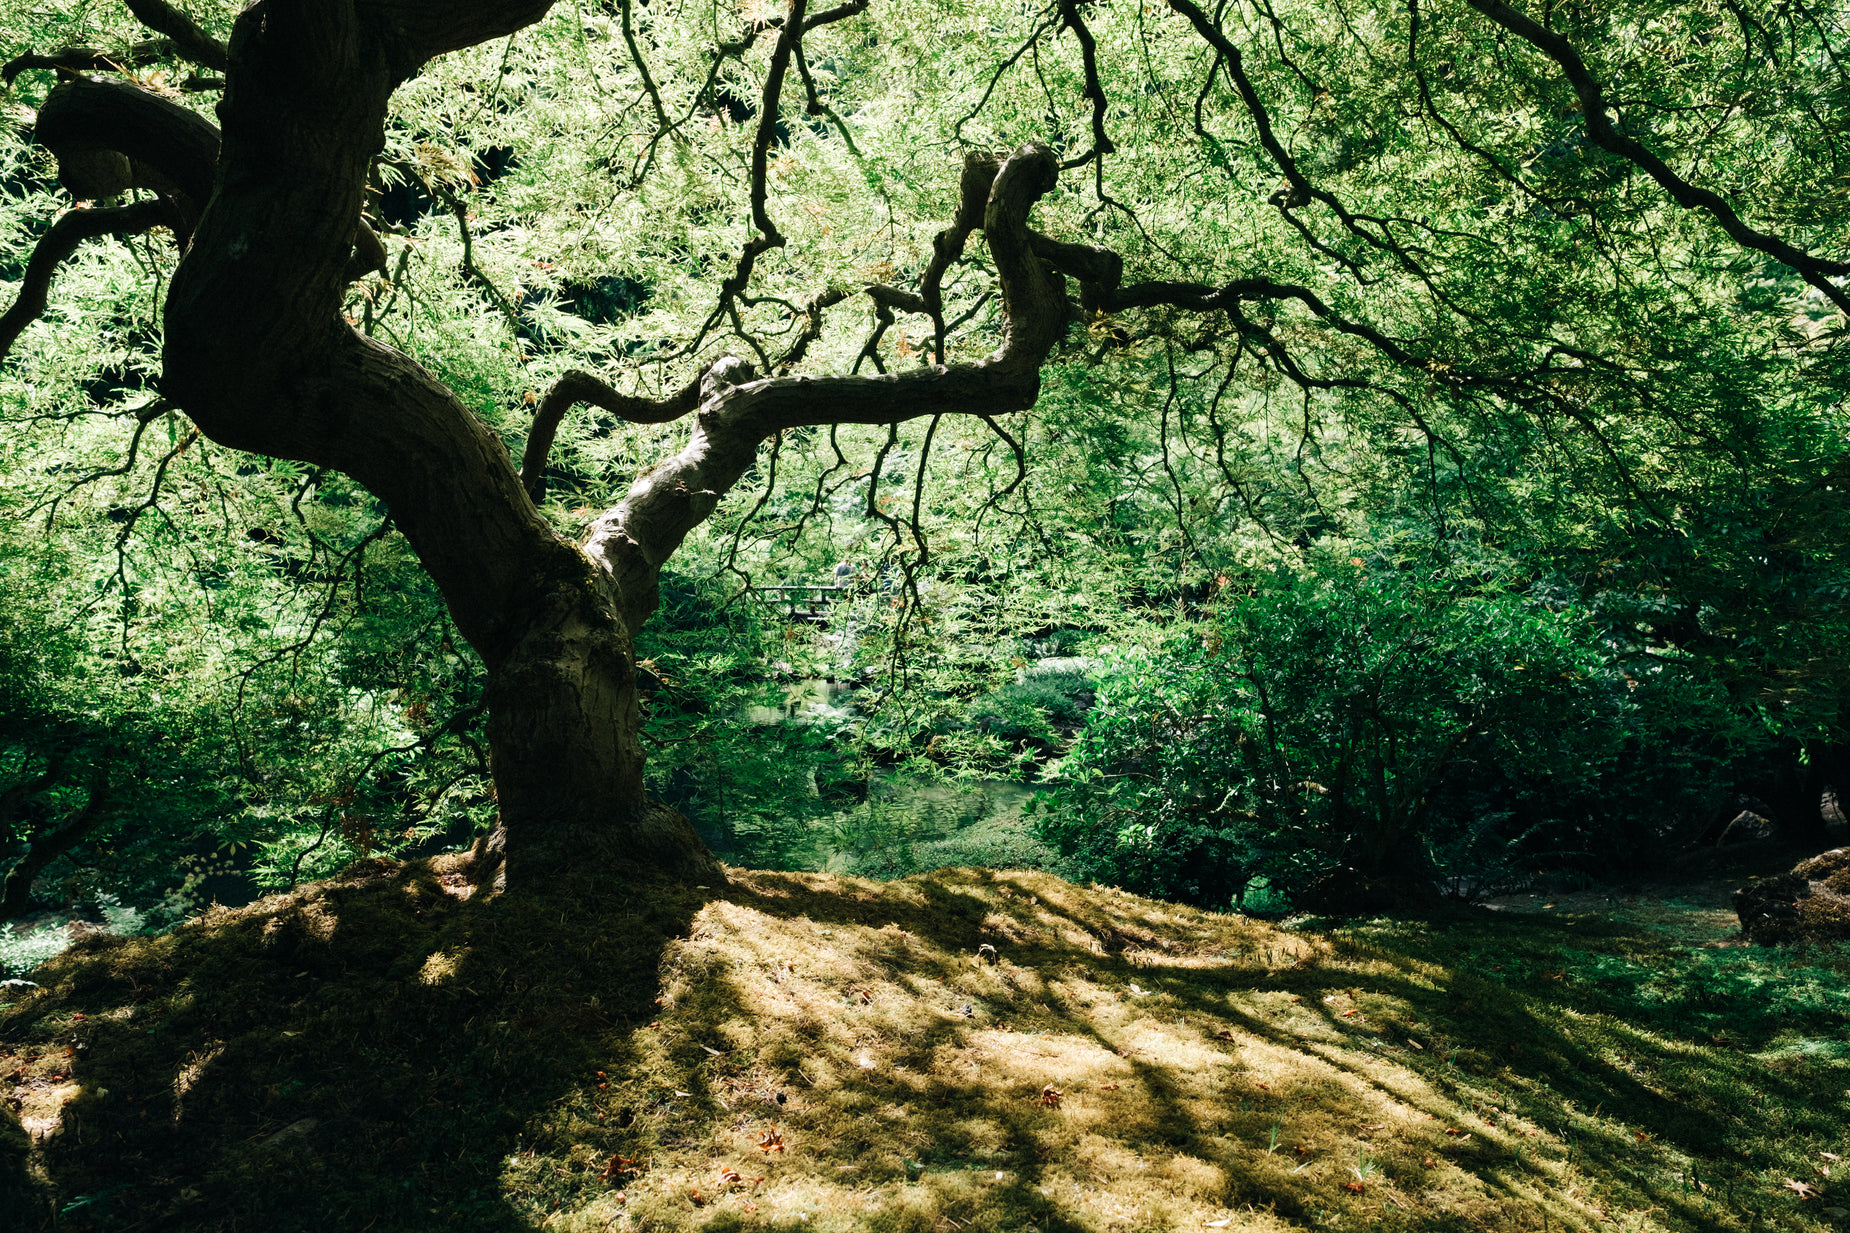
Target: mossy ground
{"points": [[375, 1053]]}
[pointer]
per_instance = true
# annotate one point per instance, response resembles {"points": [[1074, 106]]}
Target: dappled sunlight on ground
{"points": [[964, 1049]]}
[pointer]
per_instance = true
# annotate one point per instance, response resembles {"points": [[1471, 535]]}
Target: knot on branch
{"points": [[726, 372]]}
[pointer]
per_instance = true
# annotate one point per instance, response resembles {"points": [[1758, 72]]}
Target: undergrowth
{"points": [[960, 1050]]}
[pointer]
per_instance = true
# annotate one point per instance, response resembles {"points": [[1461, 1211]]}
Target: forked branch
{"points": [[739, 410], [576, 387]]}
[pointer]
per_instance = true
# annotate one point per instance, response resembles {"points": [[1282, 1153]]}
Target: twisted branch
{"points": [[576, 387]]}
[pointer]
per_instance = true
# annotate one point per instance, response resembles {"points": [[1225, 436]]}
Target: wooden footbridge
{"points": [[803, 603]]}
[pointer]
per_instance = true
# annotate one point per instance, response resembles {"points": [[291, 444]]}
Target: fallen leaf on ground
{"points": [[1051, 1096], [1804, 1190]]}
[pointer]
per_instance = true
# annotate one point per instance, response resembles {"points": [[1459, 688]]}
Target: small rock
{"points": [[1746, 827]]}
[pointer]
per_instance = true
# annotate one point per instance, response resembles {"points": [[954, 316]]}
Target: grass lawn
{"points": [[958, 1050]]}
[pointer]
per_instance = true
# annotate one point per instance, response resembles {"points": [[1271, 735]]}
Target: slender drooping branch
{"points": [[1603, 133], [1095, 93], [768, 236], [57, 245]]}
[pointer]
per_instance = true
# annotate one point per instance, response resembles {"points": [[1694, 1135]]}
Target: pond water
{"points": [[808, 700]]}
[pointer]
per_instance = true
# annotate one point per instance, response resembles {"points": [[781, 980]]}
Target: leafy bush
{"points": [[914, 826], [1405, 725], [1038, 707]]}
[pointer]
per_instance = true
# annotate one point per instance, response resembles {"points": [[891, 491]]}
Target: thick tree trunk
{"points": [[258, 355], [564, 733]]}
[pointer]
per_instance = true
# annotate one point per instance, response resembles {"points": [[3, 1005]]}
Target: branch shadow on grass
{"points": [[1545, 1085], [962, 1048], [368, 1053]]}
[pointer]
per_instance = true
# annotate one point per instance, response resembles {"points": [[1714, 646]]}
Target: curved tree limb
{"points": [[110, 136], [189, 40], [1604, 134], [57, 245], [576, 387], [740, 411]]}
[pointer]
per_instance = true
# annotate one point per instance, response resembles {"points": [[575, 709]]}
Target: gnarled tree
{"points": [[1375, 217], [259, 355]]}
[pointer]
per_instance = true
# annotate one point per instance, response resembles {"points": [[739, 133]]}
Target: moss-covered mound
{"points": [[1809, 904], [960, 1050]]}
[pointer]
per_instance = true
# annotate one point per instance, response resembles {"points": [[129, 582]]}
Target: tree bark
{"points": [[564, 734]]}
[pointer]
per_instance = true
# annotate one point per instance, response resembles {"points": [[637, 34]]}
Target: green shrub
{"points": [[1041, 706], [1404, 725]]}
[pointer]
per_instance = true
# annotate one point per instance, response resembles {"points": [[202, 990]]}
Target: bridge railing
{"points": [[804, 601]]}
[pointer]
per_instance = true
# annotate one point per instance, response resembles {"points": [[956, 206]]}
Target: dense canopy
{"points": [[376, 370]]}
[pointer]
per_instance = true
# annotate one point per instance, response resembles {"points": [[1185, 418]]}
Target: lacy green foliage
{"points": [[1043, 704], [20, 953], [1378, 718], [232, 649], [1599, 392]]}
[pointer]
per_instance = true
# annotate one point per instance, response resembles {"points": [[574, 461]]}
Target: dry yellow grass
{"points": [[913, 1027], [960, 1050]]}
